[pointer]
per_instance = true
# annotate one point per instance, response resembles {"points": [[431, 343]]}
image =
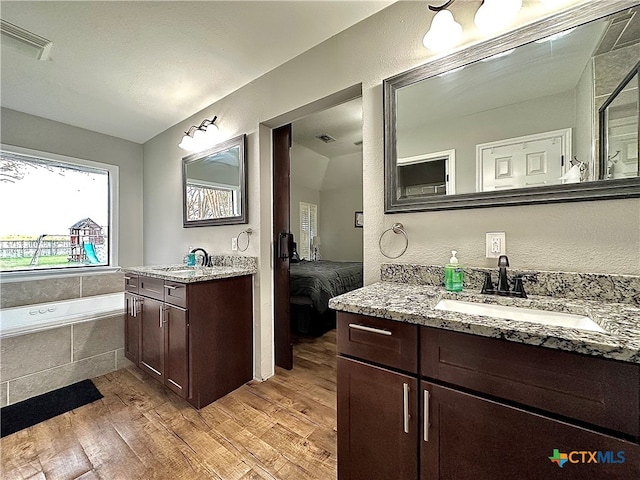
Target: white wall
{"points": [[585, 237], [27, 131]]}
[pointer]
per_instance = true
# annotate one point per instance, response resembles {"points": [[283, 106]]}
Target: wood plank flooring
{"points": [[283, 428]]}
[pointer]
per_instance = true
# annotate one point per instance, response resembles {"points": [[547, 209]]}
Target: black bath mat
{"points": [[48, 405]]}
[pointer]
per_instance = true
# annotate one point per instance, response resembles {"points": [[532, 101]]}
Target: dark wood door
{"points": [[281, 229], [477, 439], [176, 362], [131, 328], [377, 423], [152, 338]]}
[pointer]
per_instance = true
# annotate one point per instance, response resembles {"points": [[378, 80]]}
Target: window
{"points": [[308, 229], [205, 200], [57, 212]]}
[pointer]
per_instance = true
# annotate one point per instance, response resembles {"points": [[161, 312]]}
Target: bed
{"points": [[311, 285]]}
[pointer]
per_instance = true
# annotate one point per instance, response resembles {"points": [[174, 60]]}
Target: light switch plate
{"points": [[234, 243], [496, 244]]}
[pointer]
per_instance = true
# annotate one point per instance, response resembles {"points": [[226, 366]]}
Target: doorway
{"points": [[317, 158]]}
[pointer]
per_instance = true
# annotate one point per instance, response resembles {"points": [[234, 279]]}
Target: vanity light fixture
{"points": [[200, 137], [492, 16]]}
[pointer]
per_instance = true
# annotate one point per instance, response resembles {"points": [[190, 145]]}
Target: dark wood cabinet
{"points": [[132, 328], [196, 338], [473, 438], [487, 408], [377, 422], [152, 337], [176, 347]]}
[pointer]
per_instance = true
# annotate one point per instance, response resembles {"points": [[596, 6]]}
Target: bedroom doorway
{"points": [[317, 195]]}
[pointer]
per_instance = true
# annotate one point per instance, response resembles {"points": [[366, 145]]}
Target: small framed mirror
{"points": [[214, 185]]}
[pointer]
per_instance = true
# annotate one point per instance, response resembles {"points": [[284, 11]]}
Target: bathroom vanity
{"points": [[191, 328], [433, 394]]}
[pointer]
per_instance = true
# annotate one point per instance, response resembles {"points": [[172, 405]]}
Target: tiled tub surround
{"points": [[37, 362], [414, 302], [29, 292]]}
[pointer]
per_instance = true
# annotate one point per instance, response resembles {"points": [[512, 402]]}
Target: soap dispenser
{"points": [[453, 274]]}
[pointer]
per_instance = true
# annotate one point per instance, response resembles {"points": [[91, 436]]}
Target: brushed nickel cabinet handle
{"points": [[426, 415], [369, 329], [171, 287], [405, 408], [161, 315]]}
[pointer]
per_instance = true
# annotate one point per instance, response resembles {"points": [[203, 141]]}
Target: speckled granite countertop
{"points": [[415, 304], [184, 274]]}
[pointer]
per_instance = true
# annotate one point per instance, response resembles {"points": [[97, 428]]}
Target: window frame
{"points": [[113, 233]]}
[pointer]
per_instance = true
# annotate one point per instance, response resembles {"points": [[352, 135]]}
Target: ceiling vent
{"points": [[326, 138], [26, 41]]}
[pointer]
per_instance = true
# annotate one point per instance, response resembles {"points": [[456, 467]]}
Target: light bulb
{"points": [[200, 141], [495, 15], [212, 132], [186, 143], [444, 33]]}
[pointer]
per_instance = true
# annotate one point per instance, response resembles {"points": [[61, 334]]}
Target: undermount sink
{"points": [[544, 317]]}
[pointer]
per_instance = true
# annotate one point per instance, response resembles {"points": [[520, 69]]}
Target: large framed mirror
{"points": [[214, 185], [516, 120]]}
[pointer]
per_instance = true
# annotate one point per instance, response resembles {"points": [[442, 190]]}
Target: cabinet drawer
{"points": [[175, 293], [151, 287], [385, 342], [131, 283], [593, 390]]}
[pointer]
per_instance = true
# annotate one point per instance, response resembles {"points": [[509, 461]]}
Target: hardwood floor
{"points": [[283, 428]]}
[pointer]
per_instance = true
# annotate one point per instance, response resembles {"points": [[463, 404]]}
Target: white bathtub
{"points": [[29, 318]]}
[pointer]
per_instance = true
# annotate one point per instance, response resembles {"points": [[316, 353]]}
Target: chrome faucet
{"points": [[205, 258]]}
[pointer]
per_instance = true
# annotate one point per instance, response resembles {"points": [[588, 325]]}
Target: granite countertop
{"points": [[186, 274], [415, 304]]}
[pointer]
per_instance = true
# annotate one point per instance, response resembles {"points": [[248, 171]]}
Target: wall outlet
{"points": [[234, 243], [496, 244]]}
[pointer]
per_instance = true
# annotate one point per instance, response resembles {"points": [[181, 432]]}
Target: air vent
{"points": [[22, 38], [326, 138]]}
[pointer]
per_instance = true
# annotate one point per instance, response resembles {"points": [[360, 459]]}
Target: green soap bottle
{"points": [[453, 274]]}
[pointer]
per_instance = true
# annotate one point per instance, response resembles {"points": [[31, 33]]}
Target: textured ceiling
{"points": [[134, 69]]}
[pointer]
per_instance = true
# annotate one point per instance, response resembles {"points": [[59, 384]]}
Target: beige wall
{"points": [[585, 237]]}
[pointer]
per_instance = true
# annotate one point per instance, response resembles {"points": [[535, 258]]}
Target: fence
{"points": [[26, 248]]}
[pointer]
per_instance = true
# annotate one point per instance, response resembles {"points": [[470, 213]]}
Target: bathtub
{"points": [[30, 318]]}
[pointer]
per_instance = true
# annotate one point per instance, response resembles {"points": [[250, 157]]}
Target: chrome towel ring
{"points": [[395, 228], [247, 232]]}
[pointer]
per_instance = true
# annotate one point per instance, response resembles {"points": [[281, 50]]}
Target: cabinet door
{"points": [[152, 338], [131, 327], [468, 437], [377, 423], [176, 349]]}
